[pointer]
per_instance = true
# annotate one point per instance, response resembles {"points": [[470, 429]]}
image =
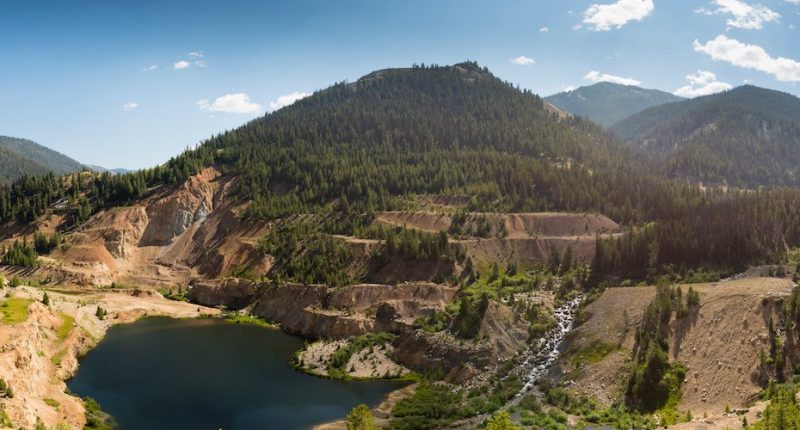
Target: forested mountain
{"points": [[19, 157], [373, 144], [606, 103], [746, 137]]}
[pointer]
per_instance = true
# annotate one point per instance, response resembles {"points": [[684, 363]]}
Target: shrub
{"points": [[360, 418]]}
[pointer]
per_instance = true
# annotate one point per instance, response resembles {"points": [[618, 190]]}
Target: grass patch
{"points": [[67, 324], [178, 294], [588, 411], [673, 379], [96, 418], [5, 420], [56, 360], [432, 406], [15, 310], [53, 403], [237, 318], [595, 353]]}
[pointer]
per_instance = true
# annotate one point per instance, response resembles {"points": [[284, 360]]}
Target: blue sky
{"points": [[75, 75]]}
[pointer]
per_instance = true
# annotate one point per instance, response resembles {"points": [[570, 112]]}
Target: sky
{"points": [[130, 83]]}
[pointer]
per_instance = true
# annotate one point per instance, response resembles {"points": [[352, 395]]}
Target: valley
{"points": [[430, 237]]}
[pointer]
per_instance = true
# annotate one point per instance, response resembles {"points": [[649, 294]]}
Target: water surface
{"points": [[162, 373]]}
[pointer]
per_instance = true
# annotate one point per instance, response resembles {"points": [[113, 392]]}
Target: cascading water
{"points": [[541, 358]]}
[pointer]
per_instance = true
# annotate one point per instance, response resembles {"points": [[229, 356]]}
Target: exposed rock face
{"points": [[408, 299], [503, 329], [233, 293], [439, 352], [502, 336], [177, 211], [316, 312], [172, 236]]}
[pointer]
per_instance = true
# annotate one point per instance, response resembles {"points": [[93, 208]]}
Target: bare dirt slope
{"points": [[171, 236], [518, 225], [527, 237], [35, 360], [719, 344]]}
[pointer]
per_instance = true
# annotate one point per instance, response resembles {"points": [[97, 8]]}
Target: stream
{"points": [[544, 355]]}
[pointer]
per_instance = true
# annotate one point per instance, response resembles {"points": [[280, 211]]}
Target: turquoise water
{"points": [[162, 373]]}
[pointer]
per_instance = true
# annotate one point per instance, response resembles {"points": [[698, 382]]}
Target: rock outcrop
{"points": [[501, 335], [232, 293], [174, 235], [439, 352], [315, 311]]}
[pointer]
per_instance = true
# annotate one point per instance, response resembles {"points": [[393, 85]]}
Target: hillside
{"points": [[606, 103], [20, 157], [400, 138], [719, 342], [745, 137], [432, 219]]}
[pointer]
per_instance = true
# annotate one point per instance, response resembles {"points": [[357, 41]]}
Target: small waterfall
{"points": [[541, 358]]}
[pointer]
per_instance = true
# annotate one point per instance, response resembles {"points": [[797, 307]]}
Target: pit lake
{"points": [[163, 373]]}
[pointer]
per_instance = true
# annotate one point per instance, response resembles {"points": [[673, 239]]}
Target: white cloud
{"points": [[723, 48], [130, 106], [604, 17], [287, 99], [793, 1], [595, 76], [702, 83], [231, 103], [791, 26], [198, 58], [181, 65], [149, 68], [544, 30], [568, 88], [523, 61], [745, 16]]}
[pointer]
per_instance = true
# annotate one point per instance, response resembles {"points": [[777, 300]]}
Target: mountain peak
{"points": [[470, 69], [606, 102]]}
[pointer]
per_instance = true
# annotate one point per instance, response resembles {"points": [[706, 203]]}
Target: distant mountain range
{"points": [[746, 137], [606, 103], [20, 157], [23, 157], [101, 169]]}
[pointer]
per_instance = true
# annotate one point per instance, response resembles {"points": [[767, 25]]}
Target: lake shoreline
{"points": [[48, 398], [41, 353]]}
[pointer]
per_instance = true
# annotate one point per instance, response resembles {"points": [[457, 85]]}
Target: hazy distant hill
{"points": [[117, 171], [606, 103], [748, 136], [20, 157]]}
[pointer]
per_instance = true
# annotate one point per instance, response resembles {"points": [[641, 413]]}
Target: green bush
{"points": [[431, 406], [20, 254], [96, 418]]}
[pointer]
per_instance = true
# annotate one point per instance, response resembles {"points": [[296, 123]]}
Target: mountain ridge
{"points": [[23, 157], [746, 137], [606, 103]]}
